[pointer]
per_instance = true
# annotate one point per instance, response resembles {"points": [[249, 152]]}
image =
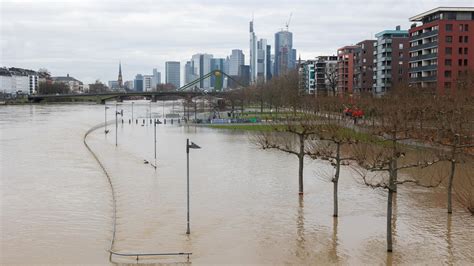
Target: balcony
{"points": [[424, 79], [387, 67], [424, 46], [384, 41], [424, 68], [387, 50], [424, 35], [424, 57]]}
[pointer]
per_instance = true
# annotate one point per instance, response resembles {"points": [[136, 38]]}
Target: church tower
{"points": [[120, 81]]}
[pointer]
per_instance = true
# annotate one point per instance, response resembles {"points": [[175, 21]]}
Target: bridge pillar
{"points": [[154, 98], [119, 99]]}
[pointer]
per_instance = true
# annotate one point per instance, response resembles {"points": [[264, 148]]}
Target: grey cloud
{"points": [[87, 38]]}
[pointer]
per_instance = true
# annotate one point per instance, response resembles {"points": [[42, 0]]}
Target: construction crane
{"points": [[288, 22]]}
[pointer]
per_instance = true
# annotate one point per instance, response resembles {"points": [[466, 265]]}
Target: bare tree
{"points": [[331, 138], [330, 76], [291, 137]]}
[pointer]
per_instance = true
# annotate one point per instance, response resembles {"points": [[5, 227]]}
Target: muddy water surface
{"points": [[56, 203]]}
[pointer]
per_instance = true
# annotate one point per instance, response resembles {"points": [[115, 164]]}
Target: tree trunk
{"points": [[336, 177], [389, 220], [301, 162], [450, 186], [394, 173]]}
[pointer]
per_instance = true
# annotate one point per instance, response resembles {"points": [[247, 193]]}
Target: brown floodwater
{"points": [[56, 203]]}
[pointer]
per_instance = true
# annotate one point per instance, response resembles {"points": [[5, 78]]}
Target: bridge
{"points": [[188, 91]]}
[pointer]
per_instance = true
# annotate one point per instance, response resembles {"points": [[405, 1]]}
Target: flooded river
{"points": [[57, 208]]}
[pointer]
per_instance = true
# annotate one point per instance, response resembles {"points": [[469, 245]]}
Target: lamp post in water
{"points": [[155, 122], [132, 113], [189, 146], [116, 122], [105, 119]]}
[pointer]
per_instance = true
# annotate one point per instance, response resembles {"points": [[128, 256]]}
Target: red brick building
{"points": [[442, 47], [345, 69]]}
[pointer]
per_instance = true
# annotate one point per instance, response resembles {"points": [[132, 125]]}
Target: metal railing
{"points": [[138, 255]]}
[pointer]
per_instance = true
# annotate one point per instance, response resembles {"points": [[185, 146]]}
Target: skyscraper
{"points": [[285, 55], [258, 57], [236, 59], [156, 77], [138, 82], [217, 64], [173, 75], [261, 74], [253, 53], [201, 64], [189, 72], [269, 62]]}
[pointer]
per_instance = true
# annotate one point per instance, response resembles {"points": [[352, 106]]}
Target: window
{"points": [[466, 27], [461, 27], [466, 39], [447, 73], [460, 50], [460, 39], [465, 62], [465, 50], [449, 27], [449, 50], [449, 39], [460, 62], [447, 84], [447, 62], [400, 46]]}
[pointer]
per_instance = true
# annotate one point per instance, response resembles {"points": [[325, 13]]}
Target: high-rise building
{"points": [[156, 77], [189, 72], [138, 82], [236, 59], [253, 53], [363, 66], [217, 82], [345, 69], [173, 73], [269, 62], [148, 83], [285, 55], [390, 60], [201, 64], [261, 74], [441, 47]]}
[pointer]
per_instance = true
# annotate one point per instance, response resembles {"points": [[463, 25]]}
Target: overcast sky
{"points": [[87, 38]]}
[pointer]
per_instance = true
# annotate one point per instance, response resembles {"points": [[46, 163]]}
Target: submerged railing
{"points": [[138, 255]]}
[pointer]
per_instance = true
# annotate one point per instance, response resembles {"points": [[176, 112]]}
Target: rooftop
{"points": [[441, 9]]}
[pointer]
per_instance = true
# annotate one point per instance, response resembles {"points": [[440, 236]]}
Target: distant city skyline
{"points": [[86, 39]]}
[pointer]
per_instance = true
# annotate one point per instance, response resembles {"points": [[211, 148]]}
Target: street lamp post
{"points": [[188, 146], [132, 113], [154, 123], [105, 119], [116, 123]]}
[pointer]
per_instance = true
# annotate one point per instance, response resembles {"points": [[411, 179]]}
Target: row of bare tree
{"points": [[402, 134]]}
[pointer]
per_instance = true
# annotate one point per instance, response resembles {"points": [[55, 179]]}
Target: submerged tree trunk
{"points": [[301, 163], [389, 220], [450, 186], [391, 184], [336, 177]]}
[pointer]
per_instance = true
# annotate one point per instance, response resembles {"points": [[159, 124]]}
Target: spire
{"points": [[120, 75]]}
